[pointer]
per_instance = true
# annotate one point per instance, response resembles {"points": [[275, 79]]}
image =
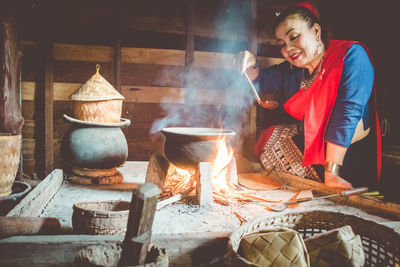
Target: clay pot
{"points": [[186, 147], [10, 147], [95, 145]]}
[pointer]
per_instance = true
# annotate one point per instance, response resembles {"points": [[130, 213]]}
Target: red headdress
{"points": [[308, 6]]}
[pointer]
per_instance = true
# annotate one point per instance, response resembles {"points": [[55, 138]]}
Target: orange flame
{"points": [[225, 187], [178, 180], [220, 168]]}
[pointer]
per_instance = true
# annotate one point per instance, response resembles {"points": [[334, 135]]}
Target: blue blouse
{"points": [[354, 91]]}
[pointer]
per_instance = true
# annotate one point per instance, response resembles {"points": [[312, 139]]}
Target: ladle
{"points": [[282, 206], [265, 104]]}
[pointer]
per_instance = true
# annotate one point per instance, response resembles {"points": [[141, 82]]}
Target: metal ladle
{"points": [[283, 206], [265, 104]]}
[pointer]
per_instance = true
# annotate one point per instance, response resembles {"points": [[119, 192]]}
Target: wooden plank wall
{"points": [[151, 70]]}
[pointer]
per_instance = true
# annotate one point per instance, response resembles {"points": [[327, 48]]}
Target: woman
{"points": [[329, 90]]}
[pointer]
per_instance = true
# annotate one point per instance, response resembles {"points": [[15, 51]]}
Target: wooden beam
{"points": [[197, 249], [33, 204], [90, 53], [155, 56], [145, 94]]}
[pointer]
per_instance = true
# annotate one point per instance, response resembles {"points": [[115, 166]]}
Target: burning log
{"points": [[174, 199], [158, 170]]}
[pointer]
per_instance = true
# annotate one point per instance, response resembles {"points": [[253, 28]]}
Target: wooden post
{"points": [[117, 53], [117, 47], [45, 95], [253, 48], [140, 221], [11, 120], [189, 53], [48, 107]]}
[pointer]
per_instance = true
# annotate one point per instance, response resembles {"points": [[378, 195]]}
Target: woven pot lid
{"points": [[96, 88]]}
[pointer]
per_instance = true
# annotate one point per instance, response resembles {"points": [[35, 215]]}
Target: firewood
{"points": [[158, 169]]}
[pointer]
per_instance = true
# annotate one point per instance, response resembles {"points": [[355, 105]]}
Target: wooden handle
{"points": [[354, 191]]}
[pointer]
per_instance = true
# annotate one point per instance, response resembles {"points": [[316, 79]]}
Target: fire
{"points": [[225, 186], [224, 179], [220, 175], [179, 180]]}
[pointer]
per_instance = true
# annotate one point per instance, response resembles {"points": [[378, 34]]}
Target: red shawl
{"points": [[315, 104]]}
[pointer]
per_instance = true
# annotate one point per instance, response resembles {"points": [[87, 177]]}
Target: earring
{"points": [[319, 48]]}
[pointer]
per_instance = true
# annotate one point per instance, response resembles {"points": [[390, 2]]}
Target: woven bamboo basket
{"points": [[100, 217], [10, 147], [381, 244], [97, 101], [106, 111]]}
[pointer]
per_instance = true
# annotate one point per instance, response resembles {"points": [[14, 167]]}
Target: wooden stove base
{"points": [[82, 180]]}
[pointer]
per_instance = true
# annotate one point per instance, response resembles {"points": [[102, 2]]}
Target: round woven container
{"points": [[106, 111], [101, 217], [381, 244], [10, 146]]}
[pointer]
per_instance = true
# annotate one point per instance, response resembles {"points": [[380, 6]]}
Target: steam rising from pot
{"points": [[226, 101]]}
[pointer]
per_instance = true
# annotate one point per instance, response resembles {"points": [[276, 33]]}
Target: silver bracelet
{"points": [[332, 167]]}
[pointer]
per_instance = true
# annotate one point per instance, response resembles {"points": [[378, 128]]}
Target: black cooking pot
{"points": [[186, 147], [96, 145]]}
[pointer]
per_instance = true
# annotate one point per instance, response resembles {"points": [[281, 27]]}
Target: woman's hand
{"points": [[334, 180], [243, 61]]}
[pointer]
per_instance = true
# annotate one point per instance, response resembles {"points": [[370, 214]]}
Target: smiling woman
{"points": [[327, 87]]}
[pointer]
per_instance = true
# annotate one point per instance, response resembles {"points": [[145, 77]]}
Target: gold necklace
{"points": [[306, 82]]}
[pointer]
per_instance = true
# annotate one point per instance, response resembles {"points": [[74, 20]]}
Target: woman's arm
{"points": [[335, 155], [346, 124]]}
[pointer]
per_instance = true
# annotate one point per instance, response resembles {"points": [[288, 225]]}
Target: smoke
{"points": [[219, 97]]}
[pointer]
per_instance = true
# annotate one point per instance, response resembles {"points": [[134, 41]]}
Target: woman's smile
{"points": [[294, 56]]}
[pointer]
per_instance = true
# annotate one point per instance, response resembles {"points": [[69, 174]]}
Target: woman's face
{"points": [[298, 42]]}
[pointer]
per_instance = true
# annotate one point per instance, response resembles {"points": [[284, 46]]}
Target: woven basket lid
{"points": [[96, 88]]}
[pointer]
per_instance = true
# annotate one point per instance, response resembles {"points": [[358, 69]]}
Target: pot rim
{"points": [[197, 131], [123, 122], [19, 189]]}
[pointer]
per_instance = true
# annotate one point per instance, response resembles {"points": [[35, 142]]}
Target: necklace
{"points": [[306, 82]]}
